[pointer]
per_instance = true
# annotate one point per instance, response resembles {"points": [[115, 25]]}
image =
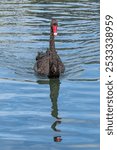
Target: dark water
{"points": [[36, 112]]}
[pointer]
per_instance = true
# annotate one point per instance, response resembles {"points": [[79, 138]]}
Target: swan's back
{"points": [[49, 64]]}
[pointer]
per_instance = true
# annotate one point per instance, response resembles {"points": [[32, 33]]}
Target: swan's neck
{"points": [[52, 43]]}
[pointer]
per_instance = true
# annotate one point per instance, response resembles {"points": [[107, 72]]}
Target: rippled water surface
{"points": [[37, 113]]}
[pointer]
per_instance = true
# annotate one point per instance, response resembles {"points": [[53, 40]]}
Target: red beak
{"points": [[55, 30]]}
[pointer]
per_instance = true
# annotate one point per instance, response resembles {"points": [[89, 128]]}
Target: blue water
{"points": [[37, 113]]}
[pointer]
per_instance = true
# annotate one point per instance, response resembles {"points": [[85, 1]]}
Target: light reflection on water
{"points": [[37, 113]]}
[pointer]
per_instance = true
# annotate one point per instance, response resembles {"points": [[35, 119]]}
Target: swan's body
{"points": [[49, 63]]}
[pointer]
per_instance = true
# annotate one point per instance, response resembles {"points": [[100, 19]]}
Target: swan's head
{"points": [[54, 25]]}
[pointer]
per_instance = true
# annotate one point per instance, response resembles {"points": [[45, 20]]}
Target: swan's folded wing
{"points": [[42, 66]]}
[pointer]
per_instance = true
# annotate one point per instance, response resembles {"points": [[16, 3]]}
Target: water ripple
{"points": [[76, 38], [31, 106]]}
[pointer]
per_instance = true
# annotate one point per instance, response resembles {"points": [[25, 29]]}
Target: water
{"points": [[37, 112]]}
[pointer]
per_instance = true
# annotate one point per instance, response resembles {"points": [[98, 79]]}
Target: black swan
{"points": [[49, 63]]}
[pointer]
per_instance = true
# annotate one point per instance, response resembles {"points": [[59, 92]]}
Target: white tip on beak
{"points": [[55, 33]]}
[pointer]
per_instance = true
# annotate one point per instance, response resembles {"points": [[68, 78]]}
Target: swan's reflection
{"points": [[54, 93]]}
